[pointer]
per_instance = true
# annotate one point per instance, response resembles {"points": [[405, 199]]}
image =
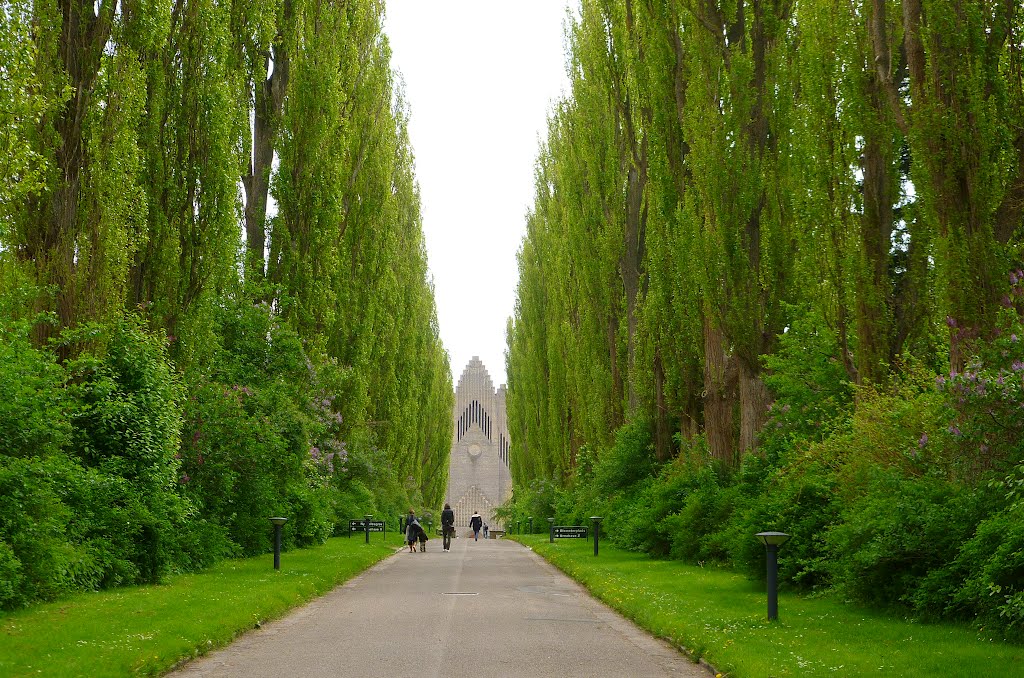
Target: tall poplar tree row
{"points": [[235, 177], [723, 172]]}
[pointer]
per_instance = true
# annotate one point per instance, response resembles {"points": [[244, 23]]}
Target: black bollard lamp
{"points": [[278, 525], [597, 530], [772, 541]]}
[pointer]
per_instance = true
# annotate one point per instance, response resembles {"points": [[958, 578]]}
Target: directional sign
{"points": [[570, 532], [359, 526]]}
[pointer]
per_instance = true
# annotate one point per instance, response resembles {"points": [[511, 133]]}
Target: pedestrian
{"points": [[447, 526], [476, 522], [486, 530], [412, 531]]}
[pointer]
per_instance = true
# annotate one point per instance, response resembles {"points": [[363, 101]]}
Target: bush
{"points": [[126, 423], [987, 577], [696, 529], [630, 461], [812, 391], [33, 416], [800, 499], [36, 550], [260, 439], [901, 530]]}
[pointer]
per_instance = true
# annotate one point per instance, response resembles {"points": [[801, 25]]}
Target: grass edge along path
{"points": [[721, 616], [149, 630]]}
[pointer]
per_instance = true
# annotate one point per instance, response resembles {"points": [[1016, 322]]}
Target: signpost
{"points": [[569, 531], [361, 526]]}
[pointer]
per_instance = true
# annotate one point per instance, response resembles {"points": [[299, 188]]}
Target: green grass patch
{"points": [[721, 616], [149, 629]]}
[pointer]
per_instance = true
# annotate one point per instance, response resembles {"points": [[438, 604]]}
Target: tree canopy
{"points": [[210, 232], [754, 219]]}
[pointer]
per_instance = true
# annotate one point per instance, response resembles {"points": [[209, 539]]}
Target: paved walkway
{"points": [[486, 608]]}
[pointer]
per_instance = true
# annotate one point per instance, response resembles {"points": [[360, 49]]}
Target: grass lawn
{"points": [[722, 616], [149, 629]]}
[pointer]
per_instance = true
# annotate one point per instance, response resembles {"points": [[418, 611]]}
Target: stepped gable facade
{"points": [[478, 470]]}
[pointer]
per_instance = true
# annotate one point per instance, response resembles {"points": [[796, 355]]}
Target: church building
{"points": [[478, 473]]}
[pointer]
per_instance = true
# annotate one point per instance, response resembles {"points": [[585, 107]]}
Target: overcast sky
{"points": [[480, 77]]}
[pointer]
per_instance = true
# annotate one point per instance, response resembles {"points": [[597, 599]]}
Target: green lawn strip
{"points": [[150, 629], [721, 616]]}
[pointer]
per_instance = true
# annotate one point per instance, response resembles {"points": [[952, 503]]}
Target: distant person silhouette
{"points": [[486, 530], [476, 522], [447, 526]]}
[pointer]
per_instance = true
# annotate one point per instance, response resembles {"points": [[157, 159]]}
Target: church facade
{"points": [[478, 471]]}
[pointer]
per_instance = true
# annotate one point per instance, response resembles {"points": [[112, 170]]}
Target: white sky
{"points": [[480, 77]]}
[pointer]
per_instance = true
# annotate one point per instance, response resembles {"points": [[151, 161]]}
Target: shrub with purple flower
{"points": [[986, 399]]}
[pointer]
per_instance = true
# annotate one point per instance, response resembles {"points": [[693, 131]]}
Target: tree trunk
{"points": [[269, 104], [873, 297], [718, 396], [662, 437], [631, 265], [51, 240], [754, 402]]}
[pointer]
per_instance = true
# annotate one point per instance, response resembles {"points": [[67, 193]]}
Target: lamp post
{"points": [[530, 520], [278, 523], [772, 541], [366, 526], [551, 530], [597, 531]]}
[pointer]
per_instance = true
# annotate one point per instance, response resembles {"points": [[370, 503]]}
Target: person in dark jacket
{"points": [[447, 526], [412, 531], [476, 522]]}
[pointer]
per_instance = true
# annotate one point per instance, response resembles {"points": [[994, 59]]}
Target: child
{"points": [[422, 537]]}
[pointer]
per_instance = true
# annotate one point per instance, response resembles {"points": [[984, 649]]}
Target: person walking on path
{"points": [[412, 531], [485, 530], [447, 526], [476, 522]]}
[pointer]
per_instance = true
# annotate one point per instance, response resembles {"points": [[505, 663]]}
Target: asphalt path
{"points": [[485, 608]]}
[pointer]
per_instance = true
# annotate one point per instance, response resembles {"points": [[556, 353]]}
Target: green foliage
{"points": [[38, 559], [629, 461], [700, 510], [897, 536], [813, 395], [248, 448], [163, 440], [126, 424], [985, 399], [538, 501], [33, 416], [798, 499], [985, 580]]}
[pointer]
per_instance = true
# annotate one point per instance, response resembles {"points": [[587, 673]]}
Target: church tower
{"points": [[478, 471]]}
